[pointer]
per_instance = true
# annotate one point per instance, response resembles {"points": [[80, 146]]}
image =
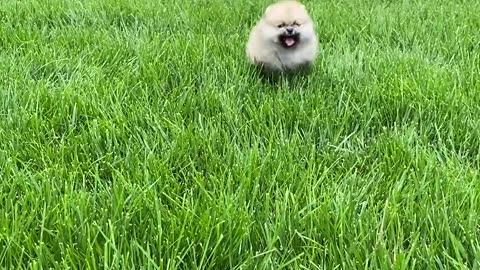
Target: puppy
{"points": [[284, 39]]}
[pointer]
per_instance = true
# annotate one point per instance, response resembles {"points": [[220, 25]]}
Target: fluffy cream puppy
{"points": [[284, 39]]}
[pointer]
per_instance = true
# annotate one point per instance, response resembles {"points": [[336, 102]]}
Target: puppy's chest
{"points": [[293, 57]]}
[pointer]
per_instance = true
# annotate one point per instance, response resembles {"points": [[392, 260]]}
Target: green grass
{"points": [[134, 135]]}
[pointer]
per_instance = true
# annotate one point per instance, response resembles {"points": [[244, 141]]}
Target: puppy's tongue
{"points": [[289, 42]]}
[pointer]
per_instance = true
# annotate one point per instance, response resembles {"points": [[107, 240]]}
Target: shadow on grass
{"points": [[288, 80]]}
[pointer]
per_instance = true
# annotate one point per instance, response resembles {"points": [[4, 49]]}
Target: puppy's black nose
{"points": [[289, 30]]}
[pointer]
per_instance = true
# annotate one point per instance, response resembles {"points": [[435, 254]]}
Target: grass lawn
{"points": [[135, 135]]}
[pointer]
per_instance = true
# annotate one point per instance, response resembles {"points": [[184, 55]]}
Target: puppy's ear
{"points": [[268, 9]]}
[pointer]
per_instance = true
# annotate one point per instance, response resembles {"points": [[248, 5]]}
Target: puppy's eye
{"points": [[296, 24], [281, 25]]}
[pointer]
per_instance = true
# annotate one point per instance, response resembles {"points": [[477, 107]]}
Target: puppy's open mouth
{"points": [[289, 40]]}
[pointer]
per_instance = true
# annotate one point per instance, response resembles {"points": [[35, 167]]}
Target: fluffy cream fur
{"points": [[284, 38]]}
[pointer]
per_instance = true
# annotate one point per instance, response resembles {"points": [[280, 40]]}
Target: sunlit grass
{"points": [[134, 135]]}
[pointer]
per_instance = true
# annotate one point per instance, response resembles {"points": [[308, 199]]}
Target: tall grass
{"points": [[134, 135]]}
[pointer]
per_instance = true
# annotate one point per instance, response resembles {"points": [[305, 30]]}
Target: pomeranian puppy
{"points": [[284, 39]]}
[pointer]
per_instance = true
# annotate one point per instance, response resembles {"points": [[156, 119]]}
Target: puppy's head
{"points": [[287, 24]]}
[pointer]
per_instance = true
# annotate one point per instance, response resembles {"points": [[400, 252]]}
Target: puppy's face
{"points": [[287, 24]]}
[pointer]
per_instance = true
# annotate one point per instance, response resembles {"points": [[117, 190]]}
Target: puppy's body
{"points": [[284, 39]]}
